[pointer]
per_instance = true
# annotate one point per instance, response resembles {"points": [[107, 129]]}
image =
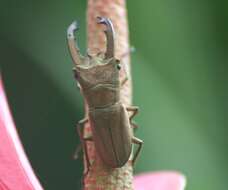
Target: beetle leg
{"points": [[125, 79], [77, 151], [134, 110], [134, 125], [90, 138], [74, 50], [80, 129], [80, 132], [84, 139], [139, 142], [79, 147], [109, 32], [122, 83]]}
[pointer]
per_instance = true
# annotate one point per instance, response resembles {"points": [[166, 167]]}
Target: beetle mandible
{"points": [[99, 82]]}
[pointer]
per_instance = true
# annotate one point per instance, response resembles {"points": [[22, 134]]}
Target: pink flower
{"points": [[15, 170], [159, 181]]}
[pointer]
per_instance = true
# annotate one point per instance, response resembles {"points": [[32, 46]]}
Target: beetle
{"points": [[99, 81]]}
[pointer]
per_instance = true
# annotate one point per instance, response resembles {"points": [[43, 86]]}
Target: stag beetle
{"points": [[99, 82]]}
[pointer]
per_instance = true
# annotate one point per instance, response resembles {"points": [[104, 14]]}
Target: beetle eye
{"points": [[76, 76], [75, 73], [118, 67]]}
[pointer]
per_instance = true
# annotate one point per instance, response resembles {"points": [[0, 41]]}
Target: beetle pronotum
{"points": [[99, 81]]}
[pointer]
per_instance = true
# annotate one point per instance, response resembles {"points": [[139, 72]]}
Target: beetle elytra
{"points": [[99, 82]]}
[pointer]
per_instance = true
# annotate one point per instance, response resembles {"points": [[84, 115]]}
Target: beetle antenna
{"points": [[109, 32], [131, 50], [74, 50]]}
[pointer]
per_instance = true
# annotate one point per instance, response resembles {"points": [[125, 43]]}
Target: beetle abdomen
{"points": [[112, 134]]}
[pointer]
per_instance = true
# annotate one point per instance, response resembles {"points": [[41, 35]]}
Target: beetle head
{"points": [[102, 68]]}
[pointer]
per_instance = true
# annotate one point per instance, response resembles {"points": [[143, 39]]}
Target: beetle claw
{"points": [[109, 32], [74, 50], [101, 20], [71, 29]]}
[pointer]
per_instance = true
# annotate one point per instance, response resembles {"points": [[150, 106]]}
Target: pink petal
{"points": [[15, 170], [159, 181]]}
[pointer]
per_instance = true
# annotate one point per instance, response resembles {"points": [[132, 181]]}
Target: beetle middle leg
{"points": [[134, 110], [139, 142], [80, 128]]}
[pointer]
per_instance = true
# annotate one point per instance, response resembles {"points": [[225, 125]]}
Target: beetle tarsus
{"points": [[109, 32], [139, 142]]}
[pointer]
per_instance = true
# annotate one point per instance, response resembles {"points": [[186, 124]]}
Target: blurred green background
{"points": [[180, 83]]}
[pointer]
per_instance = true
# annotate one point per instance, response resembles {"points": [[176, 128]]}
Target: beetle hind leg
{"points": [[139, 142], [134, 110]]}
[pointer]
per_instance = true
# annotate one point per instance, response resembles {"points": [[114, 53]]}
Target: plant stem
{"points": [[100, 176]]}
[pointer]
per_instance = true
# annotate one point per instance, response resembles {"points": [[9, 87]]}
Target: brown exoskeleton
{"points": [[98, 78]]}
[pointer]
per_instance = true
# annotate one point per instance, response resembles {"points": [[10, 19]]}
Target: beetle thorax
{"points": [[99, 81]]}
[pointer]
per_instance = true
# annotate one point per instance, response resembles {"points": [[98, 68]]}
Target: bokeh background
{"points": [[180, 83]]}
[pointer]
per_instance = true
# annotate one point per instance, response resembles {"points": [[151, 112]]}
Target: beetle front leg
{"points": [[134, 110], [139, 142], [123, 82], [125, 79]]}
